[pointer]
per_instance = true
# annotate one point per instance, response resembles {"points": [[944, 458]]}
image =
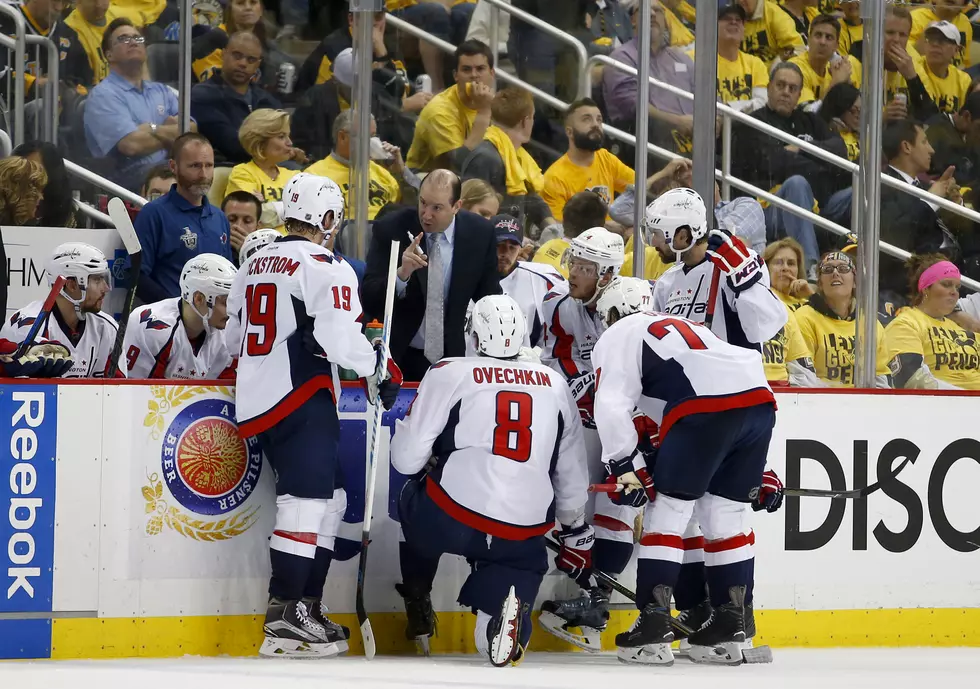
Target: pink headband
{"points": [[936, 272]]}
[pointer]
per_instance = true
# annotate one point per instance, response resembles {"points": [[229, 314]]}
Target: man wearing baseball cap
{"points": [[946, 84], [952, 11], [525, 282]]}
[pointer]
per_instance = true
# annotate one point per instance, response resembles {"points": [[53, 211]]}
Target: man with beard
{"points": [[128, 119], [222, 103], [182, 223], [526, 283], [587, 166]]}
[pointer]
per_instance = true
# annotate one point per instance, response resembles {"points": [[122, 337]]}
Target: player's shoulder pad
{"points": [[544, 271], [106, 321]]}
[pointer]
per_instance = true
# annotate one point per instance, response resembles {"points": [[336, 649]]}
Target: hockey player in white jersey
{"points": [[298, 315], [719, 282], [184, 337], [255, 241], [77, 320], [494, 445], [525, 282], [572, 327], [716, 413], [715, 278]]}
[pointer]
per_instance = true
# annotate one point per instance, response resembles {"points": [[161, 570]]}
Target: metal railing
{"points": [[817, 152], [581, 54], [104, 184], [19, 46], [49, 122]]}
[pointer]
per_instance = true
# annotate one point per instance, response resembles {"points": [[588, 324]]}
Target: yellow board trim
{"points": [[240, 635]]}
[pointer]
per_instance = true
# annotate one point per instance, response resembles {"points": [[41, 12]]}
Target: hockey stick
{"points": [[124, 226], [367, 634], [42, 318], [855, 494], [712, 297]]}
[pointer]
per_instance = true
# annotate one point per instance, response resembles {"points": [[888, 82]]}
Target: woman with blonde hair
{"points": [[787, 278], [479, 197], [927, 350], [827, 323], [265, 135], [22, 184]]}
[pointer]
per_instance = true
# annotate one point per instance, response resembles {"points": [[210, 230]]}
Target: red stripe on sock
{"points": [[309, 538], [662, 539], [730, 543], [610, 523]]}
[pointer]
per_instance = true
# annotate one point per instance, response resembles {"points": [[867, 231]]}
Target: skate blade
{"points": [[422, 644], [651, 654], [730, 653], [505, 642], [273, 647], [589, 640]]}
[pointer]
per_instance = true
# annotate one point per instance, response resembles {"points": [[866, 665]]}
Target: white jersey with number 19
{"points": [[507, 442], [669, 367], [289, 291]]}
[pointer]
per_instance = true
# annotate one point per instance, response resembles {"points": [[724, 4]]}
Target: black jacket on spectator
{"points": [[474, 276], [913, 225], [73, 65], [220, 110], [949, 148], [329, 48], [484, 162], [312, 120], [765, 162]]}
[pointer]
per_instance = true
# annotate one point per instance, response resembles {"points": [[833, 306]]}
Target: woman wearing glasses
{"points": [[928, 351], [827, 323]]}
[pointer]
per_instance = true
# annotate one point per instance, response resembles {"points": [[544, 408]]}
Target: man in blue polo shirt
{"points": [[129, 120], [182, 223]]}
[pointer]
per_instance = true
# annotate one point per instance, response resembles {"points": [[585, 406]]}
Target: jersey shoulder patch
{"points": [[151, 323], [20, 322], [322, 258]]}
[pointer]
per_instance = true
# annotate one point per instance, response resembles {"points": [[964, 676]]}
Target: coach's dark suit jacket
{"points": [[474, 276]]}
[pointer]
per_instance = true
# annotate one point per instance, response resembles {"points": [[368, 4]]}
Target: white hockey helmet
{"points": [[255, 241], [599, 246], [498, 326], [80, 261], [673, 210], [308, 198], [209, 274], [623, 297]]}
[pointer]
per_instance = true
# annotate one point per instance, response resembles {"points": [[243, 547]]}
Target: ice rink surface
{"points": [[913, 668]]}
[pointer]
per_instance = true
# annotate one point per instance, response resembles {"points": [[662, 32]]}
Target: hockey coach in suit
{"points": [[448, 258]]}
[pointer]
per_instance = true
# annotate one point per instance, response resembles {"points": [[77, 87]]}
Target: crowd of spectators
{"points": [[263, 114]]}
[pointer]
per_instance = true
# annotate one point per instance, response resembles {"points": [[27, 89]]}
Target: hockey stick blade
{"points": [[124, 226], [42, 317], [855, 494], [374, 448]]}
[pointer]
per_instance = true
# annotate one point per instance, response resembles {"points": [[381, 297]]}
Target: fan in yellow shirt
{"points": [[587, 166], [89, 19], [384, 188], [582, 212], [944, 11], [265, 135], [770, 33], [680, 35], [827, 324], [787, 275], [821, 66], [947, 85], [786, 358], [851, 29], [927, 350], [459, 116], [654, 264], [742, 78]]}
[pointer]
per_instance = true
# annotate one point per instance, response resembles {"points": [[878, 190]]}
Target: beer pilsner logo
{"points": [[206, 471]]}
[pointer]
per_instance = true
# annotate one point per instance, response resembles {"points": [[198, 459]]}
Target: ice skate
{"points": [[504, 634], [318, 611], [648, 641], [421, 618], [589, 612], [694, 619], [727, 638], [291, 632]]}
